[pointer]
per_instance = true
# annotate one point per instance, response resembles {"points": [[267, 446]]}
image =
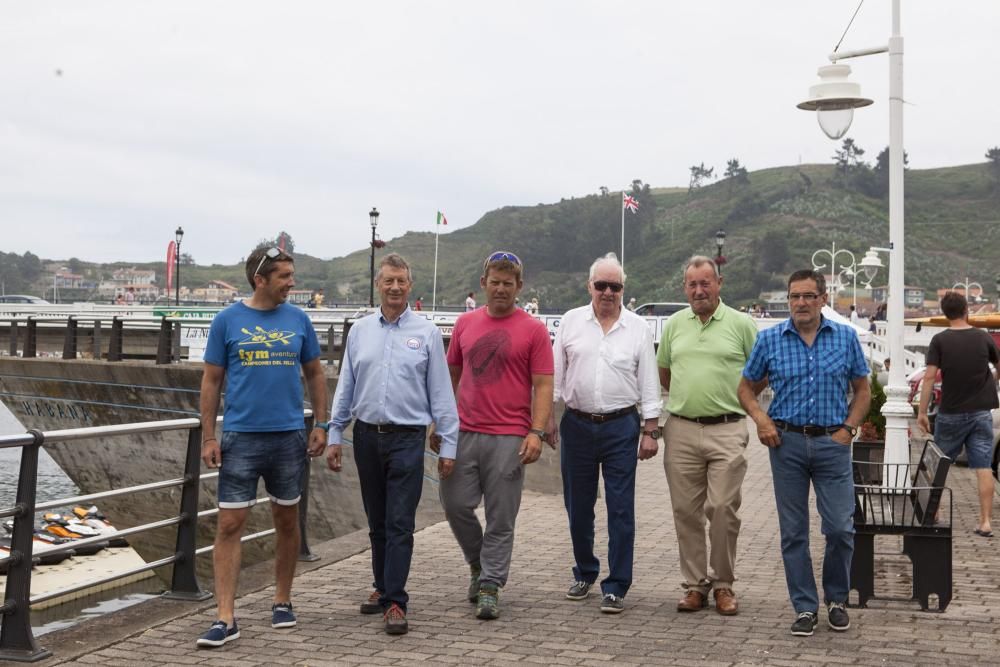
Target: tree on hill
{"points": [[853, 171], [772, 249], [603, 190], [881, 172], [698, 174], [282, 240], [993, 155], [735, 174]]}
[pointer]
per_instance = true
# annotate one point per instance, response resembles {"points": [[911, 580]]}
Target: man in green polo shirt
{"points": [[702, 353]]}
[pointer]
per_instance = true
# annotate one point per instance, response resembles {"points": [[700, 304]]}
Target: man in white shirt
{"points": [[470, 302], [604, 368]]}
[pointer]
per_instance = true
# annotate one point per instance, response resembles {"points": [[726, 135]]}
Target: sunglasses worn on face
{"points": [[601, 285], [502, 256], [272, 254]]}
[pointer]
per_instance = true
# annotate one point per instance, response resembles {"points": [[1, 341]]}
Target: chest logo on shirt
{"points": [[488, 356], [268, 339], [413, 343]]}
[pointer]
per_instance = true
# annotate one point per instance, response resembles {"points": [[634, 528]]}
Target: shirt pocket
{"points": [[832, 364], [623, 360]]}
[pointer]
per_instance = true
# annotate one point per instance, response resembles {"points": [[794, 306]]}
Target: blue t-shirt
{"points": [[262, 352]]}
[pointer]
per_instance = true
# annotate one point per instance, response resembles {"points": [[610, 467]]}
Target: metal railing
{"points": [[17, 641]]}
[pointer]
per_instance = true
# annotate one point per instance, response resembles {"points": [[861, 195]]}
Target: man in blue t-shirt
{"points": [[257, 347]]}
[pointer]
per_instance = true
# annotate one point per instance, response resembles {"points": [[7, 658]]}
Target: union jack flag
{"points": [[629, 202]]}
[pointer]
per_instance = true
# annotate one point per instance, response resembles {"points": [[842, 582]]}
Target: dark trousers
{"points": [[391, 470], [587, 450]]}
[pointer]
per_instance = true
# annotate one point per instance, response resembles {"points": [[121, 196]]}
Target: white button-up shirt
{"points": [[601, 372]]}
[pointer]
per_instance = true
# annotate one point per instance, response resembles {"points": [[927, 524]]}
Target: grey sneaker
{"points": [[488, 602], [837, 617], [612, 604], [474, 572], [578, 591], [372, 605], [804, 624]]}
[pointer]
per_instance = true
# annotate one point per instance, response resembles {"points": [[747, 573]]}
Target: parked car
{"points": [[21, 298], [916, 381], [659, 309]]}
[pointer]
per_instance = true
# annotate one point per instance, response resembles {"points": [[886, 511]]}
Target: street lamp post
{"points": [[720, 240], [835, 273], [834, 99], [373, 216], [967, 288], [178, 235]]}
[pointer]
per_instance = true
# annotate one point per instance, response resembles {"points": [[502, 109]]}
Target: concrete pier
{"points": [[537, 625]]}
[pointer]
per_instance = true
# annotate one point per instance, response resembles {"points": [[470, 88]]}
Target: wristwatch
{"points": [[654, 434], [539, 432], [323, 425], [853, 430]]}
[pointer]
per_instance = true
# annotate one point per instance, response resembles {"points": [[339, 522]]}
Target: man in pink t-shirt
{"points": [[501, 366]]}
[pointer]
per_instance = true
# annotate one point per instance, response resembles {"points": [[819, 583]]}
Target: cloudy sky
{"points": [[120, 121]]}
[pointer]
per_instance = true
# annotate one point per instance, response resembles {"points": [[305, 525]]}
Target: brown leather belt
{"points": [[717, 419], [601, 418]]}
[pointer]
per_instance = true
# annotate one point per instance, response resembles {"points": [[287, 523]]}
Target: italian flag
{"points": [[441, 220]]}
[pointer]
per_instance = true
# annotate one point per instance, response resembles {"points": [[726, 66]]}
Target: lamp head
{"points": [[720, 238], [178, 235], [373, 216], [870, 264], [834, 100]]}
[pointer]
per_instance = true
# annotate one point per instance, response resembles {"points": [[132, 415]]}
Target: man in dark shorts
{"points": [[964, 353], [257, 348]]}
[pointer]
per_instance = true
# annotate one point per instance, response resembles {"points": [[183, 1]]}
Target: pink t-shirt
{"points": [[498, 356]]}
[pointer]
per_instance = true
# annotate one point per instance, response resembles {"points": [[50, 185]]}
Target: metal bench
{"points": [[920, 512]]}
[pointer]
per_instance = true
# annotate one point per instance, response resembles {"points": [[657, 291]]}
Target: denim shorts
{"points": [[972, 429], [279, 457]]}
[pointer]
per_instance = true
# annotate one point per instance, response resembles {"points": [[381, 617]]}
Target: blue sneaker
{"points": [[282, 616], [219, 634]]}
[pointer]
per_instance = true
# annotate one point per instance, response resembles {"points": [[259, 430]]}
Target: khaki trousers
{"points": [[705, 468]]}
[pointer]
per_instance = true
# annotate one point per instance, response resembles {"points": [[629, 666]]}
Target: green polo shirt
{"points": [[705, 360]]}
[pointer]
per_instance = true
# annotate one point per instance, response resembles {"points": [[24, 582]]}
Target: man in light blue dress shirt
{"points": [[393, 383]]}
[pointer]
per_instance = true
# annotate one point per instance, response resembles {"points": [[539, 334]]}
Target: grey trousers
{"points": [[487, 468]]}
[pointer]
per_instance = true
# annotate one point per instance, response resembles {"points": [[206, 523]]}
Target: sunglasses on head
{"points": [[601, 285], [502, 256], [272, 254]]}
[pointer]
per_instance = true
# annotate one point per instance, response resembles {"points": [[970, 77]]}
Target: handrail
{"points": [[17, 641]]}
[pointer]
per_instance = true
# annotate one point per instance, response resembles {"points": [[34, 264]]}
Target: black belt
{"points": [[601, 418], [717, 419], [808, 429], [388, 428]]}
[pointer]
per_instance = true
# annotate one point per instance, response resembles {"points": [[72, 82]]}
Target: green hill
{"points": [[773, 224]]}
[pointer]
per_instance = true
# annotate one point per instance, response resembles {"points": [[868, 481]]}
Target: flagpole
{"points": [[623, 231], [434, 296]]}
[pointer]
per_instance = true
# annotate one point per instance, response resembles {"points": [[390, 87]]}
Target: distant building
{"points": [[775, 302], [217, 291], [913, 297], [300, 297], [142, 281]]}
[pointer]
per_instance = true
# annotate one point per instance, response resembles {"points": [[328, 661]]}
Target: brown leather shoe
{"points": [[725, 602], [692, 601]]}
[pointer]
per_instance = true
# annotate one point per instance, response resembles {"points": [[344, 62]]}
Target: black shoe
{"points": [[578, 591], [804, 624], [372, 605], [837, 617]]}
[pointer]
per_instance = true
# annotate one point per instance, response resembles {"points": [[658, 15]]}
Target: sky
{"points": [[120, 121]]}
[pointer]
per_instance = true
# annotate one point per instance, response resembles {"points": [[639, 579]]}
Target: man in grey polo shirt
{"points": [[702, 352]]}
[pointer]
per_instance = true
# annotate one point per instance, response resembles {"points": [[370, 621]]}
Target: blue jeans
{"points": [[279, 457], [972, 429], [391, 471], [827, 463], [587, 448]]}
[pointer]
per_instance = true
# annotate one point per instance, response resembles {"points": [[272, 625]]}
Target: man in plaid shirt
{"points": [[810, 363]]}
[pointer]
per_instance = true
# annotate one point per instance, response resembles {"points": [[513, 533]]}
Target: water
{"points": [[52, 481]]}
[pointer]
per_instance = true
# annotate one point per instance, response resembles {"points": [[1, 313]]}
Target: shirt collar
{"points": [[789, 326], [719, 314], [592, 316], [399, 322]]}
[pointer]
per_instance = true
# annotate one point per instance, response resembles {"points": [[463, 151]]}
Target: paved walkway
{"points": [[538, 625]]}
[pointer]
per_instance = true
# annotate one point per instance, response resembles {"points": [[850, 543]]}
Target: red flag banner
{"points": [[629, 202], [171, 263]]}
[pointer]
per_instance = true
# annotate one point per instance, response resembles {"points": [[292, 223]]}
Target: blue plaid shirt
{"points": [[810, 383]]}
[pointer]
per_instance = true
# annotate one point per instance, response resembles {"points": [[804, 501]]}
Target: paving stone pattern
{"points": [[537, 625]]}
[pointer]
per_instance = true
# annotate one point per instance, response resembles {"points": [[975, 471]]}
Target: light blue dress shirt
{"points": [[395, 373]]}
